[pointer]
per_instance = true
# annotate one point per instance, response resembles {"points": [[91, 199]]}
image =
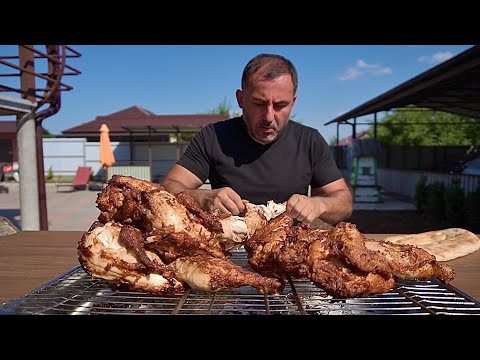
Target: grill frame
{"points": [[76, 292]]}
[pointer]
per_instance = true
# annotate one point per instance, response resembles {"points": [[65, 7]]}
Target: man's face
{"points": [[266, 106]]}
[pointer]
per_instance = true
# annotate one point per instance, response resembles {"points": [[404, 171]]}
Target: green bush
{"points": [[421, 194], [434, 202], [472, 210], [50, 173], [449, 204], [454, 198]]}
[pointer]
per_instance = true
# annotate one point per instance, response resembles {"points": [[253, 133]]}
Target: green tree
{"points": [[47, 134], [418, 126], [223, 107], [332, 141]]}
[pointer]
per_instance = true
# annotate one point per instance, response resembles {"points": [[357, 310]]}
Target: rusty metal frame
{"points": [[56, 57]]}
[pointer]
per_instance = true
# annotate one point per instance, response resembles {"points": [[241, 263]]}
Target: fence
{"points": [[404, 182], [431, 158], [64, 155]]}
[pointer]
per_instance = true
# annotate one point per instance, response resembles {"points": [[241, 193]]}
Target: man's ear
{"points": [[239, 95]]}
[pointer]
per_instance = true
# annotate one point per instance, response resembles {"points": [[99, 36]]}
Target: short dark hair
{"points": [[272, 66]]}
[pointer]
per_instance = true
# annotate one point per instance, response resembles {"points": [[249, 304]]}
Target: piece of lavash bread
{"points": [[445, 244]]}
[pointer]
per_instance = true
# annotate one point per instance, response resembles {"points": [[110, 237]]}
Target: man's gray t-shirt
{"points": [[224, 153]]}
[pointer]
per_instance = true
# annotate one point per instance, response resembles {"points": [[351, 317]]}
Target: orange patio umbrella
{"points": [[107, 158]]}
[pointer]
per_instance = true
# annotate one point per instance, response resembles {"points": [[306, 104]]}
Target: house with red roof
{"points": [[8, 142], [138, 124], [139, 137]]}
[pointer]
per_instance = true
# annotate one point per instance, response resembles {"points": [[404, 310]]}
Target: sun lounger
{"points": [[80, 182]]}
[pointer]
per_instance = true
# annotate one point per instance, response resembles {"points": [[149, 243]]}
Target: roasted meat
{"points": [[159, 214], [117, 254], [404, 262], [294, 257], [341, 260], [265, 245], [211, 274], [411, 262], [145, 234], [114, 252], [174, 224], [151, 240]]}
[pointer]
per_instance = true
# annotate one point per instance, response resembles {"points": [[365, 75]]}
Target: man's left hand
{"points": [[304, 208]]}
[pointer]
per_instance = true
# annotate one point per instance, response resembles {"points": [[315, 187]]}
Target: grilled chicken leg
{"points": [[211, 274]]}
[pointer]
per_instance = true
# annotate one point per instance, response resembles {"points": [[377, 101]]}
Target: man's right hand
{"points": [[225, 199]]}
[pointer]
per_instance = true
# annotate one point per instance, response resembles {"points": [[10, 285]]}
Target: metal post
{"points": [[27, 152], [150, 152], [131, 147], [177, 135], [27, 159], [338, 133], [42, 194]]}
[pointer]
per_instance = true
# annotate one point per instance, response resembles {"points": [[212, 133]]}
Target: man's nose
{"points": [[270, 113]]}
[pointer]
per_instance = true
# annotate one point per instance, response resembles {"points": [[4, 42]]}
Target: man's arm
{"points": [[179, 179], [330, 203]]}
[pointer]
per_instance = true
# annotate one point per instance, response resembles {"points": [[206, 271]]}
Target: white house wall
{"points": [[164, 156], [64, 155], [92, 154]]}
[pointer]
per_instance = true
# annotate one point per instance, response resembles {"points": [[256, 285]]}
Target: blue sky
{"points": [[190, 79]]}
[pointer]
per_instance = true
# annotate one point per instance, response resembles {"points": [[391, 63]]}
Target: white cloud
{"points": [[350, 74], [363, 65], [363, 68], [383, 71], [437, 57]]}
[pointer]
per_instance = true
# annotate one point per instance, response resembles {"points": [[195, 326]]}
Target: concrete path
{"points": [[390, 202], [76, 211]]}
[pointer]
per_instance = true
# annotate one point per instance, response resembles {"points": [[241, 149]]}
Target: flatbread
{"points": [[445, 244]]}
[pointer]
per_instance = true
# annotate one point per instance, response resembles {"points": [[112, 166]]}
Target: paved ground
{"points": [[77, 210], [65, 210]]}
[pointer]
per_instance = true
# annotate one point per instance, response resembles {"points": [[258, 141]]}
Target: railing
{"points": [[438, 158], [23, 80], [404, 182], [24, 67], [139, 171]]}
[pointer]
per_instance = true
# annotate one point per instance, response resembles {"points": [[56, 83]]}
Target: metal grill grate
{"points": [[76, 292]]}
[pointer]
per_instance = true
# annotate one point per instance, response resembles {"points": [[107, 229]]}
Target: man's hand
{"points": [[225, 199], [330, 203], [304, 208]]}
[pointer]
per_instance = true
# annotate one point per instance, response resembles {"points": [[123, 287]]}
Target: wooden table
{"points": [[30, 259]]}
